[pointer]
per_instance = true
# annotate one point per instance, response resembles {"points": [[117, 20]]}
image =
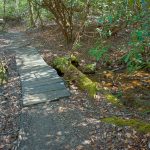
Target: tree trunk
{"points": [[62, 16], [38, 14], [17, 6], [32, 23], [4, 8]]}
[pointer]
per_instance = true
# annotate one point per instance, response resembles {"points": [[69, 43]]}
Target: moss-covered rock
{"points": [[139, 125]]}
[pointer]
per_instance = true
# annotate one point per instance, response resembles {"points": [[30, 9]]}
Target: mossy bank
{"points": [[137, 124]]}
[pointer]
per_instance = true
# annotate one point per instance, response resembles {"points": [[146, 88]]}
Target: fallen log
{"points": [[64, 65]]}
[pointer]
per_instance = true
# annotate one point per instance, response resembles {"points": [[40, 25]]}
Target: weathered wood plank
{"points": [[44, 97], [38, 77], [44, 88], [36, 69], [42, 82], [27, 80]]}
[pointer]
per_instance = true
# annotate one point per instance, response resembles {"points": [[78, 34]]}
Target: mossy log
{"points": [[64, 65]]}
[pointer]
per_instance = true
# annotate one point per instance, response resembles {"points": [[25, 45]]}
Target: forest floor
{"points": [[131, 88], [80, 114], [10, 95]]}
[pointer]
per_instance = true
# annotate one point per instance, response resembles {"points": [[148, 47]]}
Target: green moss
{"points": [[74, 58], [135, 123], [61, 63], [112, 99], [83, 81], [90, 86], [73, 74]]}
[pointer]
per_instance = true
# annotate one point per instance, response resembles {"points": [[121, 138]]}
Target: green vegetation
{"points": [[139, 125], [112, 22], [113, 99], [89, 68], [139, 44], [99, 52]]}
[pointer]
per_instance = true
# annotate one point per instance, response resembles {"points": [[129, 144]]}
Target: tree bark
{"points": [[38, 14], [62, 16], [32, 23]]}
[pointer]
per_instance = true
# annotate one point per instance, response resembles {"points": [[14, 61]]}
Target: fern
{"points": [[98, 52]]}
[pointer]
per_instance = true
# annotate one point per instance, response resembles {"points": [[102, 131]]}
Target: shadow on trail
{"points": [[57, 127]]}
